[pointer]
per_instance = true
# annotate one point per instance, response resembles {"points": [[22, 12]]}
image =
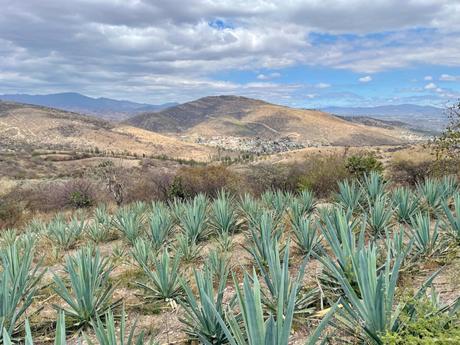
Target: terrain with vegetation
{"points": [[232, 116], [114, 234]]}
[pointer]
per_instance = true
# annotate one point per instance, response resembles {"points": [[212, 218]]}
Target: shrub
{"points": [[208, 180], [409, 172], [11, 212], [360, 165], [76, 194], [322, 174]]}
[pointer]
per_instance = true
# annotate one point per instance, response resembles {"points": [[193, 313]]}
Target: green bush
{"points": [[360, 165], [437, 328]]}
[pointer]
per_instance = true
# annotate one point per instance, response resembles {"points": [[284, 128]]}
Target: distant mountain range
{"points": [[105, 108], [426, 118], [236, 116]]}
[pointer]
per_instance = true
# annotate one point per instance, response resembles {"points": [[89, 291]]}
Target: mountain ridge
{"points": [[103, 107]]}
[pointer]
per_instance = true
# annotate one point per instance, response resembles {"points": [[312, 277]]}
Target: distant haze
{"points": [[426, 118]]}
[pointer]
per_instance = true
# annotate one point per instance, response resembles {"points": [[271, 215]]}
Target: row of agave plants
{"points": [[364, 240]]}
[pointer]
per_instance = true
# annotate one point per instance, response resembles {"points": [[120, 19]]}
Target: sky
{"points": [[310, 53]]}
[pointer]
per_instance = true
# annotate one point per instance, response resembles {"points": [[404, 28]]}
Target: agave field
{"points": [[279, 269]]}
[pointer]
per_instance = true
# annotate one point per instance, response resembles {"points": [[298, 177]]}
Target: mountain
{"points": [[105, 108], [425, 118], [28, 127], [234, 116]]}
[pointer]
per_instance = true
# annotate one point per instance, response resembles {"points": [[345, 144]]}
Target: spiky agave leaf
{"points": [[251, 210], [186, 250], [200, 319], [164, 279], [89, 292], [130, 221], [350, 195], [379, 216], [255, 328], [374, 186], [59, 339], [106, 330], [143, 252], [431, 193], [161, 226], [193, 219], [427, 238], [264, 238], [370, 306], [64, 234], [18, 285], [452, 223], [406, 204], [306, 236], [279, 284]]}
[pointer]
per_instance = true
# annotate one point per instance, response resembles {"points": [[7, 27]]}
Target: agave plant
{"points": [[201, 321], [97, 232], [106, 329], [59, 339], [251, 210], [374, 186], [102, 216], [164, 280], [255, 329], [277, 201], [448, 186], [143, 252], [187, 251], [306, 236], [452, 222], [431, 193], [224, 218], [279, 284], [406, 204], [303, 206], [160, 227], [350, 195], [193, 219], [338, 231], [426, 237], [18, 286], [217, 263], [264, 238], [64, 234], [130, 222], [379, 216], [89, 293], [369, 306]]}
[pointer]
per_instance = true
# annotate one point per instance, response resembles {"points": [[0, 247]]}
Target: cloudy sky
{"points": [[308, 53]]}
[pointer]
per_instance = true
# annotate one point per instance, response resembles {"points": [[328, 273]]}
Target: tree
{"points": [[447, 145]]}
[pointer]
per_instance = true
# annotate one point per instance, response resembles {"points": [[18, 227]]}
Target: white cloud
{"points": [[90, 46], [312, 95], [365, 79], [428, 77], [322, 85], [448, 77], [430, 86]]}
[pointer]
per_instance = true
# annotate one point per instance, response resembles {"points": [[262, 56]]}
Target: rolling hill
{"points": [[104, 108], [27, 127], [244, 117]]}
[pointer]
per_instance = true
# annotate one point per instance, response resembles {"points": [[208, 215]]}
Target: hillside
{"points": [[233, 116], [26, 127], [104, 108]]}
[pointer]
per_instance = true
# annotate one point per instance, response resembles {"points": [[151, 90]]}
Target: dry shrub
{"points": [[206, 179], [322, 174], [11, 211], [147, 186], [266, 176], [57, 195]]}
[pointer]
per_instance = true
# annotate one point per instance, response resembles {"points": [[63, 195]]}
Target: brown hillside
{"points": [[32, 127], [245, 117]]}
